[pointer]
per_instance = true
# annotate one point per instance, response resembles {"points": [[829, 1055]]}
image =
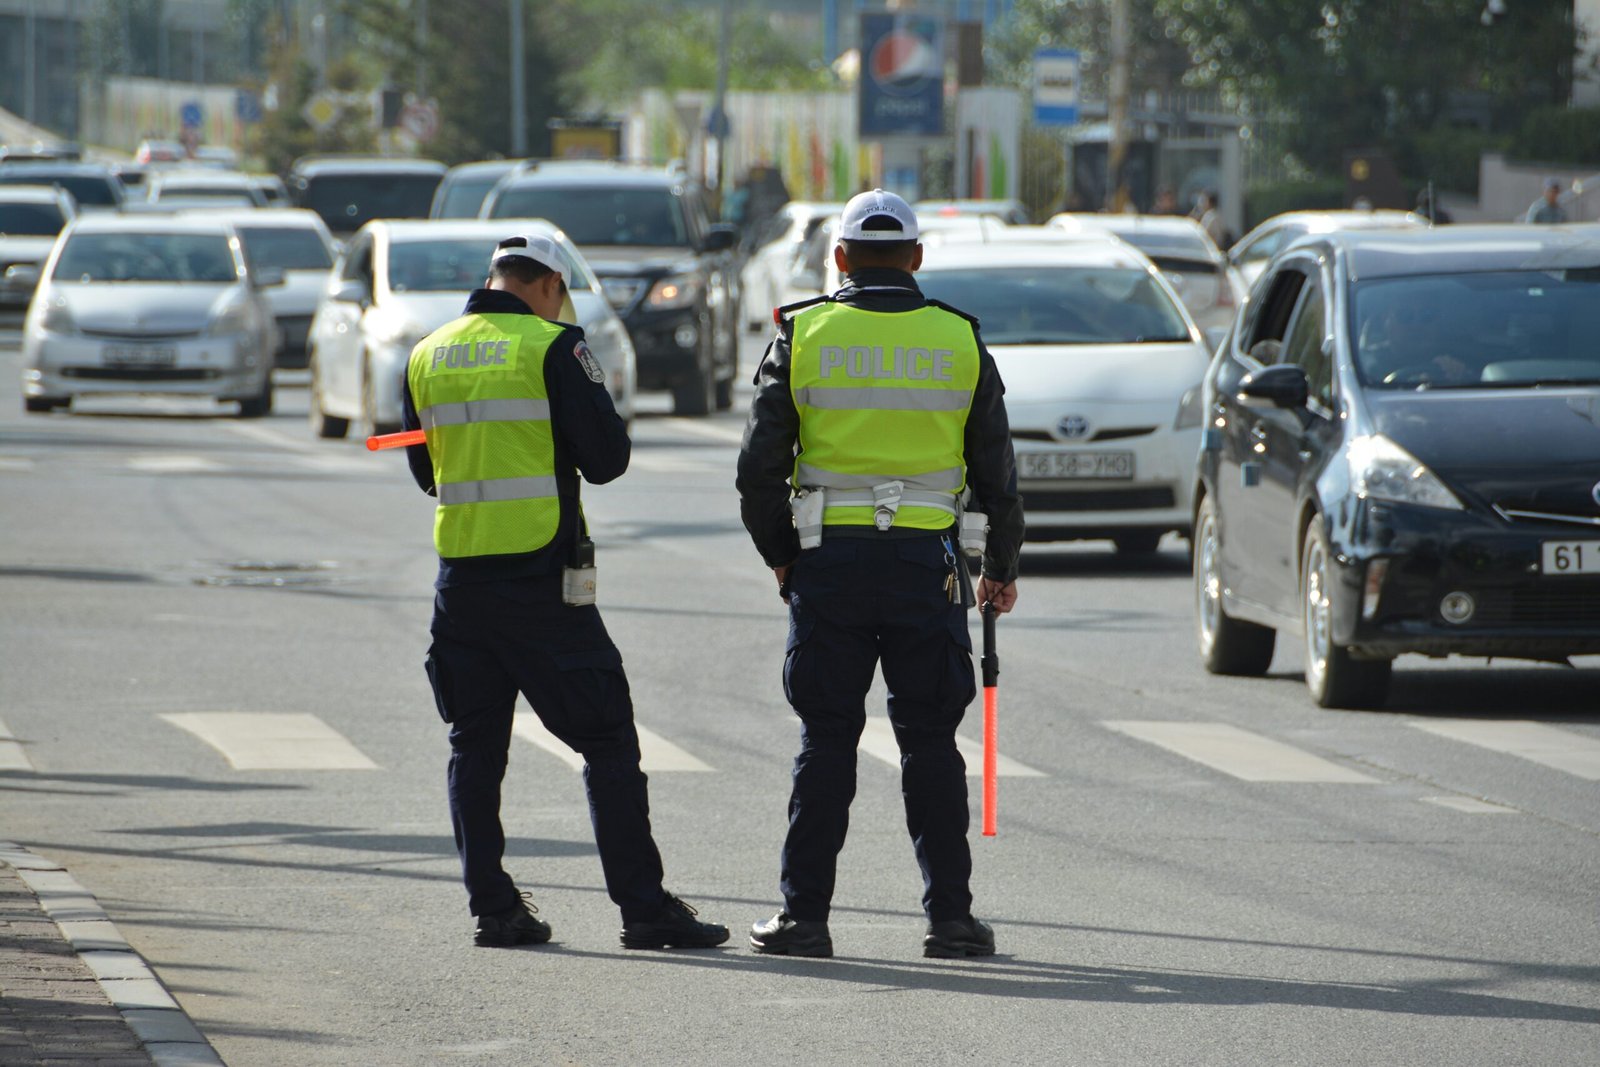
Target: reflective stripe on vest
{"points": [[883, 397], [484, 411], [478, 385]]}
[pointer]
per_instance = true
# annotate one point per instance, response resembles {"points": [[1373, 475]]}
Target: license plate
{"points": [[147, 355], [1075, 465], [1571, 557]]}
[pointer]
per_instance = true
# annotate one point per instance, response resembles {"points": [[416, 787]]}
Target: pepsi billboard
{"points": [[901, 88]]}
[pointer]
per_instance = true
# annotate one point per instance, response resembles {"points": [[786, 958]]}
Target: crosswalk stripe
{"points": [[656, 753], [1470, 805], [1547, 745], [173, 464], [13, 756], [877, 741], [15, 463], [267, 741], [1239, 753]]}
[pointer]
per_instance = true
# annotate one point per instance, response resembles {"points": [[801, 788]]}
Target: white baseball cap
{"points": [[864, 206], [542, 250]]}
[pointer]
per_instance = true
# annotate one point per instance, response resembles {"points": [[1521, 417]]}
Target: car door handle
{"points": [[1259, 434]]}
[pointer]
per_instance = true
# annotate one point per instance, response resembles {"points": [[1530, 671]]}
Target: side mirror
{"points": [[267, 277], [720, 237], [1282, 385], [350, 291], [22, 276]]}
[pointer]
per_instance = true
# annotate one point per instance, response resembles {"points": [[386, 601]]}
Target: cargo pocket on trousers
{"points": [[439, 678], [795, 655], [595, 702], [960, 685]]}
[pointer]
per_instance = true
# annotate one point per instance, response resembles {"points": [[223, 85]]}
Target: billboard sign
{"points": [[901, 88], [1055, 87]]}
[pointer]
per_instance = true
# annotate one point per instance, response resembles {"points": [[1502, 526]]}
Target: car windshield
{"points": [[1061, 305], [347, 202], [464, 195], [231, 193], [146, 257], [1492, 330], [285, 247], [456, 265], [90, 189], [1177, 245], [30, 220], [603, 216]]}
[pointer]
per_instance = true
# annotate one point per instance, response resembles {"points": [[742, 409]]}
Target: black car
{"points": [[1402, 455], [671, 274], [350, 191], [93, 187]]}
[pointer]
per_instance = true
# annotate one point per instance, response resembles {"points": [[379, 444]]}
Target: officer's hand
{"points": [[1003, 597], [782, 574]]}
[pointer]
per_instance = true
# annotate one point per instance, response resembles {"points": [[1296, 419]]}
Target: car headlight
{"points": [[235, 318], [1382, 470], [619, 292], [675, 291], [57, 319]]}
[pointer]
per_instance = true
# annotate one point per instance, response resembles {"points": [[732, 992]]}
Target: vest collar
{"points": [[495, 302]]}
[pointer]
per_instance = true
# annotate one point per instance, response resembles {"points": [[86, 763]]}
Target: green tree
{"points": [[284, 135], [1159, 59]]}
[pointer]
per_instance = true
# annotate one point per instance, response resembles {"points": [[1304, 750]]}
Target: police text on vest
{"points": [[860, 361], [472, 353]]}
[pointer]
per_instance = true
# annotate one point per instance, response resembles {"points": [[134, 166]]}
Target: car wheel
{"points": [[1137, 542], [1335, 679], [43, 405], [323, 424], [1227, 645], [260, 405], [695, 394]]}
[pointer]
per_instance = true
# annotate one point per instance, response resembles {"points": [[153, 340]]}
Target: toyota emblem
{"points": [[1076, 427]]}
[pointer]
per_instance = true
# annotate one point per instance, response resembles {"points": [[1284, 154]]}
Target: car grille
{"points": [[1577, 604], [1121, 433], [135, 335], [142, 374], [1142, 499]]}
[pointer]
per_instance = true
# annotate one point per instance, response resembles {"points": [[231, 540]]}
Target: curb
{"points": [[169, 1036]]}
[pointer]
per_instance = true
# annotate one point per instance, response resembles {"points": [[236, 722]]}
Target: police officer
{"points": [[876, 409], [513, 405]]}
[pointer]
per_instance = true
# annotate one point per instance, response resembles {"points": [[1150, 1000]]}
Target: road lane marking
{"points": [[15, 463], [1239, 753], [727, 434], [656, 753], [13, 756], [1561, 749], [173, 464], [877, 741], [1470, 805], [270, 437], [267, 741]]}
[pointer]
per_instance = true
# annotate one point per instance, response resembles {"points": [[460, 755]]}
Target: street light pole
{"points": [[519, 102], [1117, 109]]}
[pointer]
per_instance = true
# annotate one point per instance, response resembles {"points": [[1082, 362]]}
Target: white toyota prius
{"points": [[1102, 365]]}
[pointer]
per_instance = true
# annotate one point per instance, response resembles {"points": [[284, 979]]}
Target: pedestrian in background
{"points": [[876, 409], [1547, 210], [515, 407]]}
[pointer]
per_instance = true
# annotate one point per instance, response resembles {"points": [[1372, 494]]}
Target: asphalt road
{"points": [[1189, 870]]}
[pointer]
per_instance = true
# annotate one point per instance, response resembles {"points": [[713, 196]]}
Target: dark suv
{"points": [[670, 273]]}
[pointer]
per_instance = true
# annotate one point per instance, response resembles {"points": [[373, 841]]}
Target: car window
{"points": [[1174, 245], [91, 189], [358, 262], [464, 195], [1056, 305], [1269, 317], [146, 257], [30, 220], [1494, 329], [347, 202], [1304, 347], [284, 247], [651, 217], [1267, 245], [451, 265]]}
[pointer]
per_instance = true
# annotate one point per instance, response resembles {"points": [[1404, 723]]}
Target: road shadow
{"points": [[1547, 694], [355, 839], [33, 782]]}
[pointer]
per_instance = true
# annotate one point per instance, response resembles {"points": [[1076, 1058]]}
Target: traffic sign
{"points": [[247, 106], [1055, 86], [190, 115], [321, 111], [420, 120]]}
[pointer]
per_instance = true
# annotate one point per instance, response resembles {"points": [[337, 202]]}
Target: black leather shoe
{"points": [[675, 927], [958, 938], [782, 935], [514, 926]]}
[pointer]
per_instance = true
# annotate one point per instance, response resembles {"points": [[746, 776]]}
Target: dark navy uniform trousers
{"points": [[494, 639], [856, 602]]}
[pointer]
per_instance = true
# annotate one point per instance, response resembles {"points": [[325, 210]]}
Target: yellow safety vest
{"points": [[478, 385], [883, 399]]}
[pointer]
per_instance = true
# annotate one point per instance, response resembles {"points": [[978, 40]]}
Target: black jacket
{"points": [[590, 437], [766, 462]]}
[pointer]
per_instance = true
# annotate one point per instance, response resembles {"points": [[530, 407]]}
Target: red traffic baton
{"points": [[991, 716], [396, 440]]}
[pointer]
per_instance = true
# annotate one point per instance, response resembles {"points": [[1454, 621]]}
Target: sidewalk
{"points": [[72, 990]]}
